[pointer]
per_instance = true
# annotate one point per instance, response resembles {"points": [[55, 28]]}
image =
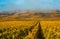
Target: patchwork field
{"points": [[28, 29]]}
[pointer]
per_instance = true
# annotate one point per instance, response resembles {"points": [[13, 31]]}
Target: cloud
{"points": [[12, 5]]}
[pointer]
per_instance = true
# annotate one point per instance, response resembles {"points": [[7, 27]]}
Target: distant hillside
{"points": [[30, 15]]}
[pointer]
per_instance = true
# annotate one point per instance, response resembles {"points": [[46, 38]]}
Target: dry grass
{"points": [[16, 23], [51, 29]]}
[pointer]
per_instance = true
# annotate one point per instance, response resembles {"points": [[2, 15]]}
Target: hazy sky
{"points": [[13, 5]]}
